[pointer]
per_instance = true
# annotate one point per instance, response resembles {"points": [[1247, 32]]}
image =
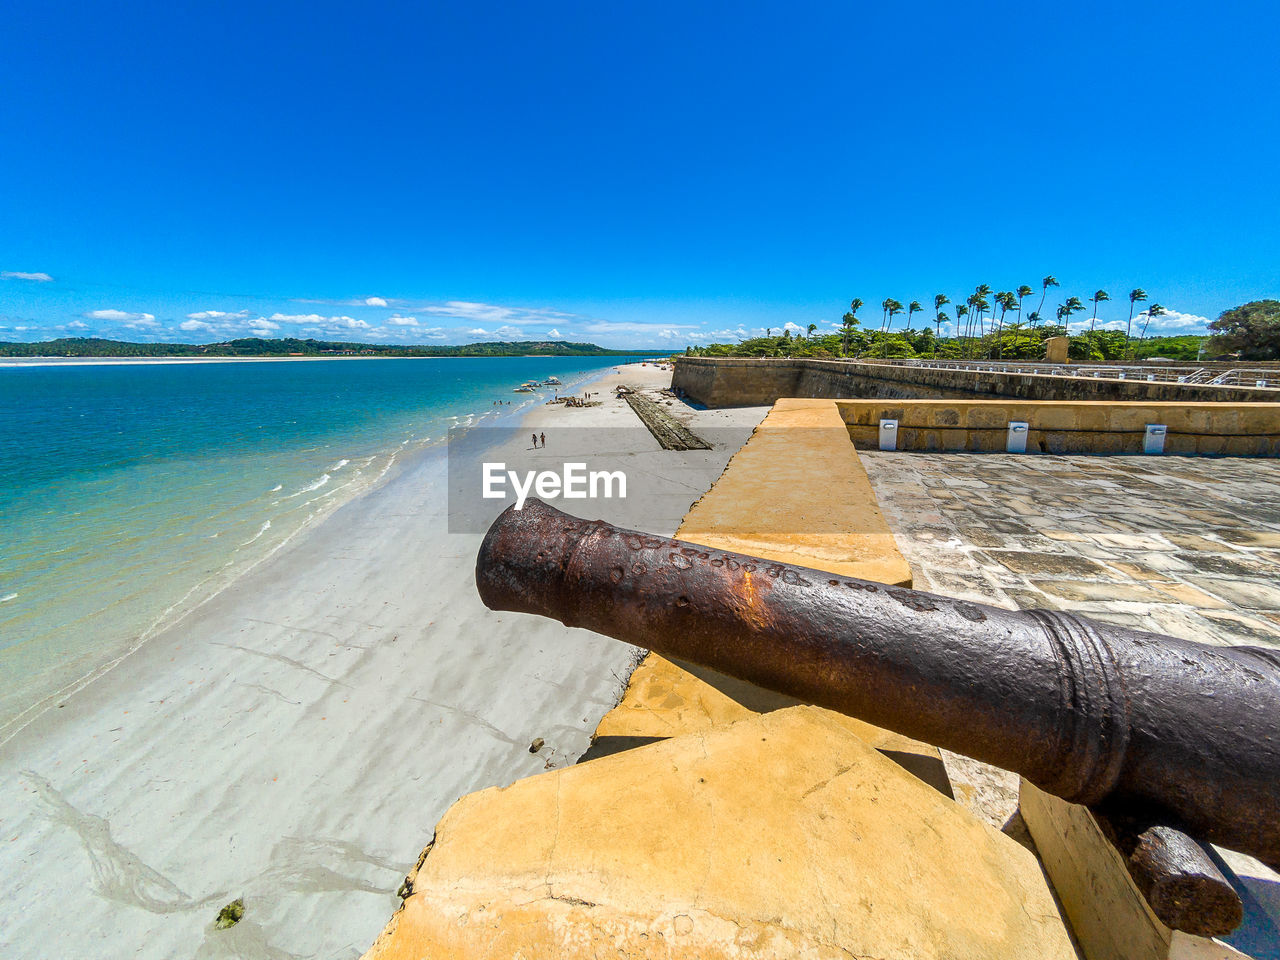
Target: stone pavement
{"points": [[1186, 546], [1180, 545]]}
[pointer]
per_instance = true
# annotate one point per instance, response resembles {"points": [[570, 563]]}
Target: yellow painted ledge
{"points": [[797, 493], [778, 836]]}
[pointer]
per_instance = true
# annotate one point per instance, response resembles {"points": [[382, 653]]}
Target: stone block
{"points": [[1087, 591], [1047, 564], [1252, 594]]}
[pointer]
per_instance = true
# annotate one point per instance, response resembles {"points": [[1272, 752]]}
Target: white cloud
{"points": [[629, 328], [132, 320], [216, 315], [22, 275], [77, 325], [300, 318], [1171, 323], [1174, 322], [399, 321], [219, 323], [356, 301], [109, 315], [740, 332], [330, 323], [554, 333], [467, 310], [792, 327], [502, 333]]}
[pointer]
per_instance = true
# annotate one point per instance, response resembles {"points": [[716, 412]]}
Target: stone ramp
{"points": [[666, 429]]}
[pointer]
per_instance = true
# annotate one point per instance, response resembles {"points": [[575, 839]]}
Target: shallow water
{"points": [[131, 492]]}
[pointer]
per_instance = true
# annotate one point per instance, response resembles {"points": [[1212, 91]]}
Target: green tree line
{"points": [[289, 347], [990, 325]]}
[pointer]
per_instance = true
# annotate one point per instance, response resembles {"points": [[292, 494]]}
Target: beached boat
{"points": [[523, 388], [552, 381]]}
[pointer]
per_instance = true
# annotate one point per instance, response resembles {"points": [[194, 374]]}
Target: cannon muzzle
{"points": [[1140, 726]]}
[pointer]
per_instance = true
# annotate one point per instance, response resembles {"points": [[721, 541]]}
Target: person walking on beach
{"points": [[544, 441], [535, 441]]}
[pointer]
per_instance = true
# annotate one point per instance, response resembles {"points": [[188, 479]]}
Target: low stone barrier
{"points": [[740, 382], [1062, 427]]}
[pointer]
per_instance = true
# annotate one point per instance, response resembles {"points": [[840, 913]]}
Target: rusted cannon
{"points": [[1142, 727]]}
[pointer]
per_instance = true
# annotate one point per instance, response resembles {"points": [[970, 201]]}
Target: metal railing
{"points": [[1263, 377]]}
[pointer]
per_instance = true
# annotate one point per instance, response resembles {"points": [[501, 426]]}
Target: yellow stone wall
{"points": [[1068, 426]]}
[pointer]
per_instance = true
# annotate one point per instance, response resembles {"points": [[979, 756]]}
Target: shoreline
{"points": [[294, 739], [175, 613], [624, 359]]}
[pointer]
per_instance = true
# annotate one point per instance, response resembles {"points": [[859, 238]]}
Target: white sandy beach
{"points": [[294, 740]]}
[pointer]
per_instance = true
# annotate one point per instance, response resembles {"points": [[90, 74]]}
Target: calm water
{"points": [[130, 492]]}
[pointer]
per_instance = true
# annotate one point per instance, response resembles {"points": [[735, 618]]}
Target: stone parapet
{"points": [[736, 382], [1066, 427]]}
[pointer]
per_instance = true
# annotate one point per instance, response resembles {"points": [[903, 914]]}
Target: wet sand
{"points": [[294, 740]]}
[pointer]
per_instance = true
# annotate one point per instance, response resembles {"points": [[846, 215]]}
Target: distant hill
{"points": [[255, 347]]}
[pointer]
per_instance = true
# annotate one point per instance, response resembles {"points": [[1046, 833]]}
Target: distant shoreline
{"points": [[70, 349], [127, 361]]}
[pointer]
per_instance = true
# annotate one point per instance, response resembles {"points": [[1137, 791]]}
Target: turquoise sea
{"points": [[131, 492]]}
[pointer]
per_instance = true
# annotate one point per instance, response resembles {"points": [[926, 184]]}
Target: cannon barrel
{"points": [[1137, 725]]}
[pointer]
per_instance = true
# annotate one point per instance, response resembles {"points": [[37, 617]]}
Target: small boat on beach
{"points": [[551, 382]]}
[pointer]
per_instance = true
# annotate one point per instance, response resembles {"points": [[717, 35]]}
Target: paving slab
{"points": [[1179, 545]]}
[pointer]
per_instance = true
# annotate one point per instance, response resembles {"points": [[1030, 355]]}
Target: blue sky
{"points": [[634, 174]]}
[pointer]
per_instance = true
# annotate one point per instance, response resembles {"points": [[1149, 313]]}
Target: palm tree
{"points": [[981, 305], [892, 309], [1032, 319], [809, 330], [1100, 296], [847, 324], [1006, 299], [1136, 295], [1022, 291], [1155, 310], [971, 308], [939, 301], [960, 309], [1045, 284], [1073, 305], [912, 307]]}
